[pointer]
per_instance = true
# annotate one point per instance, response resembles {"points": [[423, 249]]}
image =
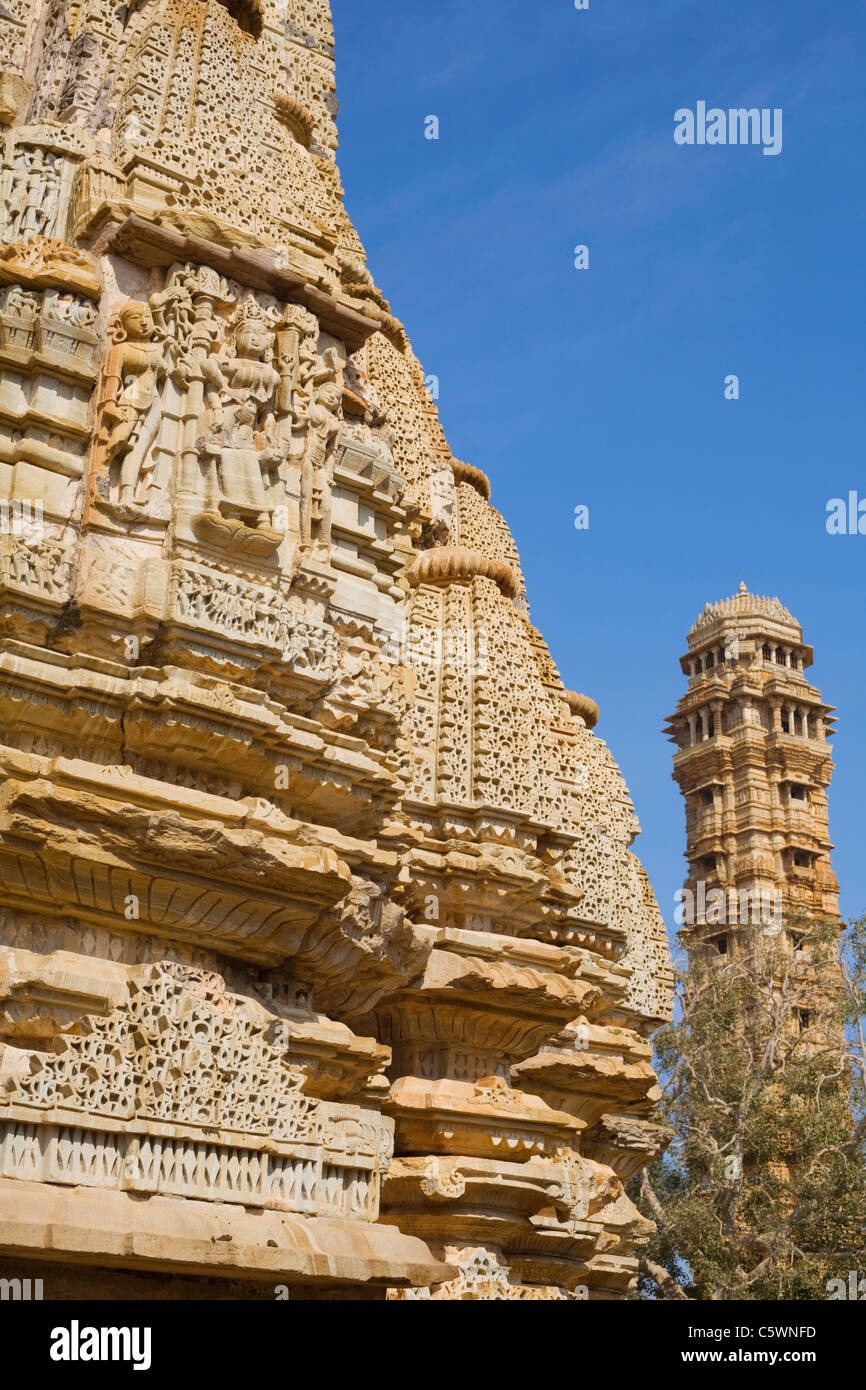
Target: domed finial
{"points": [[743, 589]]}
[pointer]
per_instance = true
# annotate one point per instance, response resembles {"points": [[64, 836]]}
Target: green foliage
{"points": [[762, 1194]]}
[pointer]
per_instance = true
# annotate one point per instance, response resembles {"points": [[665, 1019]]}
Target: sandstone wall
{"points": [[325, 961]]}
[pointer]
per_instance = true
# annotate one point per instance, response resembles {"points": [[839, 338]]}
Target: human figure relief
{"points": [[32, 200], [317, 467], [20, 304], [313, 371], [138, 364], [372, 428], [323, 423], [63, 307], [18, 195], [240, 447]]}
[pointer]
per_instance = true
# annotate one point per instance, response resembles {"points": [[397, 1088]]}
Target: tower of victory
{"points": [[753, 762], [325, 961]]}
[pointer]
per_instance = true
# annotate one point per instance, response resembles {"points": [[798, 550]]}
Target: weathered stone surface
{"points": [[307, 857], [110, 1229]]}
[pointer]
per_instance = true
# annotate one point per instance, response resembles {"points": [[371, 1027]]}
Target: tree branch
{"points": [[669, 1289]]}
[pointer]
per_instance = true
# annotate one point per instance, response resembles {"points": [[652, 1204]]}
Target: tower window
{"points": [[804, 1018], [722, 945], [795, 661], [802, 859], [798, 793], [768, 655], [780, 657], [699, 666], [708, 796], [711, 661]]}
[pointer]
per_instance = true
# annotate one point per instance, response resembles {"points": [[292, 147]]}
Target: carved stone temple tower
{"points": [[325, 961], [753, 762]]}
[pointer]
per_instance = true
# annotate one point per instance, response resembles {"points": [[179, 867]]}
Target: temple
{"points": [[326, 965]]}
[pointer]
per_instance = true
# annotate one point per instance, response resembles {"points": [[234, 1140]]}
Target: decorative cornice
{"points": [[465, 473], [582, 707], [153, 245], [446, 563], [42, 263], [295, 116], [744, 605]]}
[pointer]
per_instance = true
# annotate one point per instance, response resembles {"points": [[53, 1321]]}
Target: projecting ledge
{"points": [[184, 1236], [151, 244]]}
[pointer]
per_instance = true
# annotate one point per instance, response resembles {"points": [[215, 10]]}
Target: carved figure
{"points": [[20, 304], [16, 201], [241, 447], [317, 468], [32, 199], [67, 308], [131, 406]]}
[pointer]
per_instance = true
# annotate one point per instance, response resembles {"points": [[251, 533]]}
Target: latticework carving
{"points": [[305, 850]]}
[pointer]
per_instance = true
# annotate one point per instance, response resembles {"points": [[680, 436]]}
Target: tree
{"points": [[762, 1193]]}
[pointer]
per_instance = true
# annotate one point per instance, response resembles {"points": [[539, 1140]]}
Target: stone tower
{"points": [[325, 961], [753, 762]]}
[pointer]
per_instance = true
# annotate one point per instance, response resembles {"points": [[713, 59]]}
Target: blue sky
{"points": [[605, 387]]}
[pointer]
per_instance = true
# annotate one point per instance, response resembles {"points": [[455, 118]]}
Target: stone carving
{"points": [[16, 17], [24, 307], [66, 308], [213, 60], [46, 262], [391, 376], [483, 1279], [181, 1051], [131, 407], [33, 196], [447, 562], [240, 449], [230, 607], [61, 311], [83, 76], [466, 473], [226, 392], [186, 1058], [252, 614], [39, 566], [442, 1179], [48, 360], [582, 707], [323, 426], [307, 856]]}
